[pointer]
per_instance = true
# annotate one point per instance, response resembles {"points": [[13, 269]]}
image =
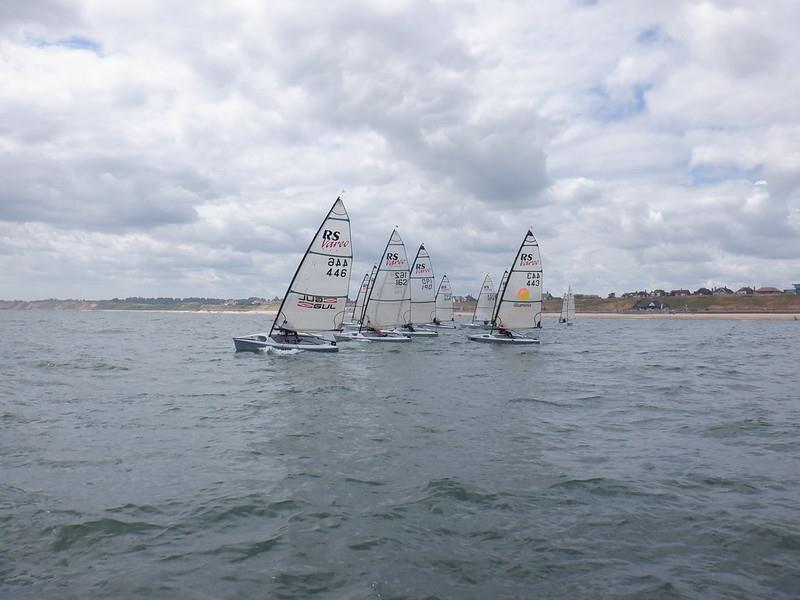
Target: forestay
{"points": [[444, 300], [520, 305], [389, 300], [483, 310], [423, 296], [317, 295]]}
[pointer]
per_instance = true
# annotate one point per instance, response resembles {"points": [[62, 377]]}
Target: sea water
{"points": [[141, 457]]}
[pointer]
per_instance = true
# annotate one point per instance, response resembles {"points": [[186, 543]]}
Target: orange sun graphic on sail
{"points": [[523, 293]]}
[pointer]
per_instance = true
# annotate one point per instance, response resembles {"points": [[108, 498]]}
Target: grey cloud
{"points": [[411, 81], [98, 194]]}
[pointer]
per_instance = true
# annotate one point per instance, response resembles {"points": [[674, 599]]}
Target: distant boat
{"points": [[316, 298], [482, 316], [388, 303], [423, 297], [567, 308], [358, 307], [445, 311], [518, 316]]}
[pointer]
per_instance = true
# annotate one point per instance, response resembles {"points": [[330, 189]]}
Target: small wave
{"points": [[90, 532], [364, 481]]}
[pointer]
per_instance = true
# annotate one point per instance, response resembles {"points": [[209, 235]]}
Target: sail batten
{"points": [[315, 299]]}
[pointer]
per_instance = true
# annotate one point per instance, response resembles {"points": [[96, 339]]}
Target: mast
{"points": [[500, 290], [487, 285]]}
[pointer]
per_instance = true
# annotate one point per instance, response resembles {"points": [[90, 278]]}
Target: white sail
{"points": [[389, 300], [571, 305], [423, 296], [444, 301], [360, 297], [499, 292], [567, 307], [483, 310], [520, 305], [317, 295]]}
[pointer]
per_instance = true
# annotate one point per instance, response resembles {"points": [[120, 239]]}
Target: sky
{"points": [[192, 148]]}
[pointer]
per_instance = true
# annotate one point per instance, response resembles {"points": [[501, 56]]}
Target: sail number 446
{"points": [[338, 267]]}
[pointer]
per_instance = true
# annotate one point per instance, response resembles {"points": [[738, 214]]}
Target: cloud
{"points": [[150, 150]]}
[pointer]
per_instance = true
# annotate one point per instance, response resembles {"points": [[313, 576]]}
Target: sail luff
{"points": [[362, 290]]}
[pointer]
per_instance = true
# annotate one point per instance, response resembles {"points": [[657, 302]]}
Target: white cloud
{"points": [[151, 149]]}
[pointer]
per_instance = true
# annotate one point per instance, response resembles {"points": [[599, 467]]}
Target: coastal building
{"points": [[768, 290], [680, 293], [658, 293], [702, 292], [796, 288], [745, 291], [722, 291]]}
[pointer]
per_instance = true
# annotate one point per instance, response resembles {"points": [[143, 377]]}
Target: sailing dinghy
{"points": [[444, 307], [567, 308], [483, 308], [423, 298], [316, 298], [388, 303], [518, 316], [358, 307]]}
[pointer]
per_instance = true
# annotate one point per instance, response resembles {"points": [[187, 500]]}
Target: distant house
{"points": [[639, 294], [586, 297], [680, 293], [658, 293], [768, 290], [614, 295], [745, 291], [702, 292], [722, 291]]}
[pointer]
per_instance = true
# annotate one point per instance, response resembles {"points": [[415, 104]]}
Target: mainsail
{"points": [[520, 305], [317, 295], [423, 297], [360, 297], [483, 309], [567, 307], [444, 301], [389, 299]]}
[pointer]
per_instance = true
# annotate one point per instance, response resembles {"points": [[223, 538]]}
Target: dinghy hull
{"points": [[503, 339], [301, 341], [360, 336]]}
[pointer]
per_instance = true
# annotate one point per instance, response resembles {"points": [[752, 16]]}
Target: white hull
{"points": [[450, 325], [417, 332], [368, 336], [301, 341], [473, 325], [493, 338]]}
